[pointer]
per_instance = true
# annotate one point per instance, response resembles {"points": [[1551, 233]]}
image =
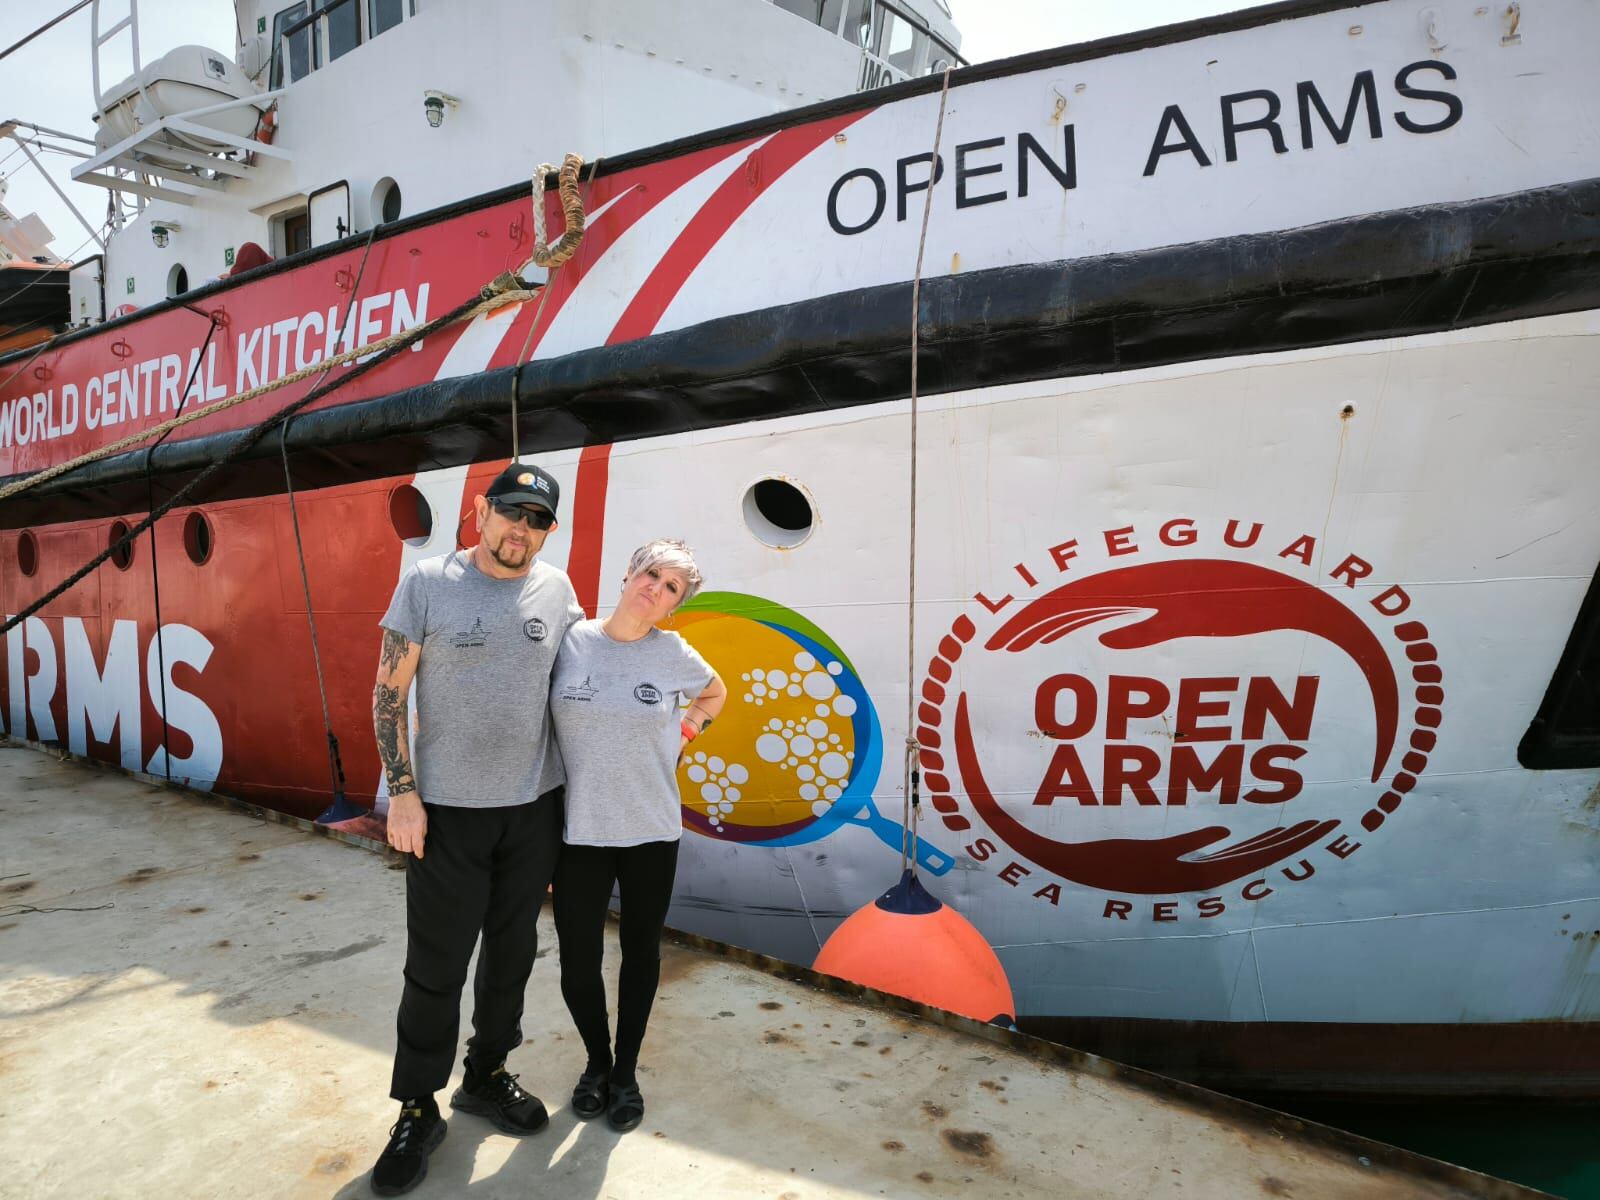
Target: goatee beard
{"points": [[510, 564]]}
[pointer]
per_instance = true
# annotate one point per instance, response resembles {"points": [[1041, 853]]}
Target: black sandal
{"points": [[589, 1097], [626, 1107]]}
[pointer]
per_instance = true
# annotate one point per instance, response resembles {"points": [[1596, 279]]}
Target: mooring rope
{"points": [[913, 802], [495, 295], [504, 290]]}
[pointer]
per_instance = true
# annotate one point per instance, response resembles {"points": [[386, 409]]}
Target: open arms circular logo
{"points": [[1180, 725], [796, 753]]}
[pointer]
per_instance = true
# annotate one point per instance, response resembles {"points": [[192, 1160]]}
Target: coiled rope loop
{"points": [[544, 254]]}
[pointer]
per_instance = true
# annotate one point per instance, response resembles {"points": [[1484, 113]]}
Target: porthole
{"points": [[27, 553], [177, 281], [779, 512], [197, 542], [122, 556], [410, 515], [386, 201]]}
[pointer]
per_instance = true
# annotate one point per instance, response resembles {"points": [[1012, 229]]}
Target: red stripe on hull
{"points": [[765, 166], [589, 525]]}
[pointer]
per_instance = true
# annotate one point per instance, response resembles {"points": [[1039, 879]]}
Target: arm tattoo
{"points": [[395, 647], [389, 720]]}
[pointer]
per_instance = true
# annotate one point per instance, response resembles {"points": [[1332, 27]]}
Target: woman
{"points": [[617, 706]]}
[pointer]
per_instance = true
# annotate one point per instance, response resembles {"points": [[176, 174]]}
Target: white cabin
{"points": [[334, 117]]}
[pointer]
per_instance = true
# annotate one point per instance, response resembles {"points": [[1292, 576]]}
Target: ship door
{"points": [[330, 214]]}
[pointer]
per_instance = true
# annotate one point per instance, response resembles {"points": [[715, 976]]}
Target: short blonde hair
{"points": [[668, 554]]}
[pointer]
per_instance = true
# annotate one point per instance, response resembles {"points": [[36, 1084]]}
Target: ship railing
{"points": [[14, 131]]}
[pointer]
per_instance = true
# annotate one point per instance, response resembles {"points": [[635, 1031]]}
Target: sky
{"points": [[49, 82]]}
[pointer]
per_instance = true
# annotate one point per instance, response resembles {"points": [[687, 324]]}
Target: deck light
{"points": [[161, 233], [433, 106]]}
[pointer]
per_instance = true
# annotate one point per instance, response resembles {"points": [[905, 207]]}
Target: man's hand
{"points": [[408, 823]]}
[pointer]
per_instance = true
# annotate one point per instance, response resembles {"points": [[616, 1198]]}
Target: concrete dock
{"points": [[197, 1001]]}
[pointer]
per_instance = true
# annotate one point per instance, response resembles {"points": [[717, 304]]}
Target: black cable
{"points": [[240, 448], [338, 810], [155, 571], [50, 24]]}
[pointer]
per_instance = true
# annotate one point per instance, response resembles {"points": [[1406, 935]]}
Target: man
{"points": [[481, 813]]}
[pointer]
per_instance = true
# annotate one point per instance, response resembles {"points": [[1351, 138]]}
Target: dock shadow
{"points": [[568, 1158]]}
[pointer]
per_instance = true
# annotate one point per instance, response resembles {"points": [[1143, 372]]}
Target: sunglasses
{"points": [[537, 518]]}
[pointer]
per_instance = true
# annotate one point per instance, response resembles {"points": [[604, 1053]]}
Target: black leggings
{"points": [[583, 882]]}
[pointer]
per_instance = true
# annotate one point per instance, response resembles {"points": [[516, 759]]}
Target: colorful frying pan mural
{"points": [[798, 749]]}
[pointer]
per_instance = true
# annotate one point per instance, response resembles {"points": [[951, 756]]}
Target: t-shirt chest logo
{"points": [[467, 639], [647, 693], [535, 629], [579, 691]]}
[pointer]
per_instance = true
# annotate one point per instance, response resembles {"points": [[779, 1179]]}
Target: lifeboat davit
{"points": [[909, 943]]}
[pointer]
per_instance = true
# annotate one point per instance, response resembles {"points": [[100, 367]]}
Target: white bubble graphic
{"points": [[835, 668], [711, 792], [822, 710], [697, 773], [771, 747], [802, 746], [755, 674], [817, 729], [759, 689], [818, 686], [808, 791], [774, 724], [777, 680], [821, 807], [804, 661], [738, 773], [832, 791], [732, 794], [834, 765], [806, 771], [716, 764], [844, 706], [793, 689]]}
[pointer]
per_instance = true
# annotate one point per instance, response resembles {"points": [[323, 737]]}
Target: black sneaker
{"points": [[498, 1098], [404, 1161]]}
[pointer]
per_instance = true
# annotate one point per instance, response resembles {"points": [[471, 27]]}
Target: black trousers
{"points": [[484, 871], [584, 878]]}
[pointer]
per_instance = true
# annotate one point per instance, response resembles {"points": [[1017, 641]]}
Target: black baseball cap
{"points": [[524, 483]]}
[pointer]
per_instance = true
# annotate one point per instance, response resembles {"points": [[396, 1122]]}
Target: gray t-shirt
{"points": [[483, 681], [616, 708]]}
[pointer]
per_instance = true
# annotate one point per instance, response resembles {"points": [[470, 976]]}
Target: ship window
{"points": [[897, 42], [809, 9], [411, 515], [386, 14], [1566, 730], [27, 553], [778, 513], [344, 27], [122, 556], [177, 281], [829, 15], [858, 23], [386, 201], [295, 49], [197, 541]]}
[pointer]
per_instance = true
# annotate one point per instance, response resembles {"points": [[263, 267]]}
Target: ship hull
{"points": [[1248, 550]]}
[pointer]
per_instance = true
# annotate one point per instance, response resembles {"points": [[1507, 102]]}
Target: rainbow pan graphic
{"points": [[798, 747]]}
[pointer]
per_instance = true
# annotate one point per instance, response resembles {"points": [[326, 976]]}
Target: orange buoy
{"points": [[908, 943]]}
